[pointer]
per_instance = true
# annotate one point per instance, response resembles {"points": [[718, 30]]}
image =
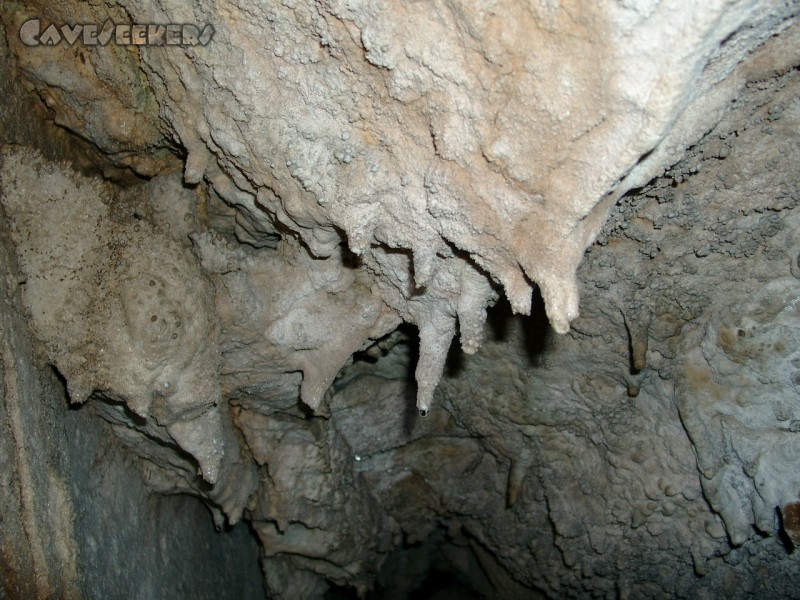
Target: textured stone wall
{"points": [[78, 520], [452, 146], [319, 174]]}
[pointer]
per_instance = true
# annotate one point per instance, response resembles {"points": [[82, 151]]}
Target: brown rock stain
{"points": [[790, 514]]}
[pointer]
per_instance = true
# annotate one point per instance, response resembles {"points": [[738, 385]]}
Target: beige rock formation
{"points": [[319, 173]]}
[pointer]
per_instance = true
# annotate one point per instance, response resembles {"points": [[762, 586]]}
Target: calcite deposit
{"points": [[451, 148], [124, 312], [300, 214]]}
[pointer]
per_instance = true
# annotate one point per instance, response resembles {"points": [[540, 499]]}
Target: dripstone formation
{"points": [[250, 273]]}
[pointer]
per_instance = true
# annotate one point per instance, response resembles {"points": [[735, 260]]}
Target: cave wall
{"points": [[227, 299], [662, 461], [78, 520]]}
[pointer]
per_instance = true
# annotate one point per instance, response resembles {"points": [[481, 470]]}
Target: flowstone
{"points": [[453, 148], [344, 168], [124, 313]]}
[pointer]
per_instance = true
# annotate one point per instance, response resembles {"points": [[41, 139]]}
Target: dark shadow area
{"points": [[410, 413], [537, 334], [441, 585], [455, 359], [631, 366], [498, 319], [350, 259], [783, 536], [448, 565], [61, 381], [534, 332], [336, 592]]}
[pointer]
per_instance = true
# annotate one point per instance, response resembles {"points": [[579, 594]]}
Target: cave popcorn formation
{"points": [[515, 188]]}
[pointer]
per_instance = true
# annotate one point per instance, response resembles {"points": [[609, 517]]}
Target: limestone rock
{"points": [[343, 168]]}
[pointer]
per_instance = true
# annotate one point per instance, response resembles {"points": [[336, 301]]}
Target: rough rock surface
{"points": [[453, 145], [125, 313], [353, 165], [78, 521], [685, 449]]}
